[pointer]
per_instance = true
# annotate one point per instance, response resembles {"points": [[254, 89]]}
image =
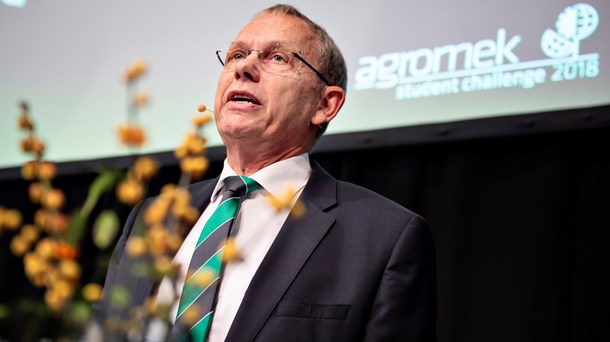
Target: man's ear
{"points": [[331, 100]]}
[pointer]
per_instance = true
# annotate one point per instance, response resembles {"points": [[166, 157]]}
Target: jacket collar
{"points": [[291, 249]]}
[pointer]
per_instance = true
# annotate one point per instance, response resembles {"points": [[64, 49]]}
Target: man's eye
{"points": [[236, 55], [278, 57]]}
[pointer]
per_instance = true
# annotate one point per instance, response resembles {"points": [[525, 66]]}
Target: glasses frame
{"points": [[296, 55]]}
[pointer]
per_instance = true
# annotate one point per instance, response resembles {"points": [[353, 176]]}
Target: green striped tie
{"points": [[207, 257]]}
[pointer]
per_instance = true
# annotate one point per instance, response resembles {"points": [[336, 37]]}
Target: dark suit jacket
{"points": [[356, 267]]}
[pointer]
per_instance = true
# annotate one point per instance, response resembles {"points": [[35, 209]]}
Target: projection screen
{"points": [[409, 63]]}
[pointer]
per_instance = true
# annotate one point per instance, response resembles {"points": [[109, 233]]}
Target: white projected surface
{"points": [[409, 64]]}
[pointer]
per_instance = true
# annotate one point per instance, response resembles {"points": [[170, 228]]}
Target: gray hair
{"points": [[330, 58], [332, 63]]}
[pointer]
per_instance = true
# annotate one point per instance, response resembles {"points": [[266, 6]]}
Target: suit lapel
{"points": [[143, 286], [289, 252], [201, 193]]}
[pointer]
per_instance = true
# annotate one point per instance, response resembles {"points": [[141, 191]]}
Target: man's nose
{"points": [[249, 67]]}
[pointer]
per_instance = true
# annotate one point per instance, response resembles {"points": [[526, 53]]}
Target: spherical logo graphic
{"points": [[574, 24]]}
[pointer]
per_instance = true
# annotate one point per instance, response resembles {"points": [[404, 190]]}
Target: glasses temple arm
{"points": [[220, 59], [311, 67]]}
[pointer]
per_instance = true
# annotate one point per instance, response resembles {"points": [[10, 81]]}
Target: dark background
{"points": [[519, 208]]}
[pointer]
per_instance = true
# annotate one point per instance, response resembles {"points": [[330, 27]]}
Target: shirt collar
{"points": [[276, 178]]}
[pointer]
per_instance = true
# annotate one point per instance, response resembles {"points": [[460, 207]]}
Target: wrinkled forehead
{"points": [[280, 31]]}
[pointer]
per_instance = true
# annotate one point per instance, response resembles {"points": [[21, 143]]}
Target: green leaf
{"points": [[80, 312], [105, 229], [103, 183], [76, 229], [119, 297], [30, 306], [141, 269], [4, 311]]}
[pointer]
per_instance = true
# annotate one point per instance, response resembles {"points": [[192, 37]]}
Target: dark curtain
{"points": [[521, 224], [522, 230]]}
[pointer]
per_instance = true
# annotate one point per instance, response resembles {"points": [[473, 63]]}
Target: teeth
{"points": [[238, 97], [242, 99]]}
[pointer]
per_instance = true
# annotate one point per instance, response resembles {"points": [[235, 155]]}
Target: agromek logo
{"points": [[486, 64], [574, 24]]}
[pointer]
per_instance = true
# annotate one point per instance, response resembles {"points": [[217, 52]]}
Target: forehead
{"points": [[275, 29]]}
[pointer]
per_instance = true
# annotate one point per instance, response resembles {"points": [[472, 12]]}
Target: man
{"points": [[355, 266]]}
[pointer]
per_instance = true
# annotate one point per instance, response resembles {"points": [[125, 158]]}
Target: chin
{"points": [[236, 131]]}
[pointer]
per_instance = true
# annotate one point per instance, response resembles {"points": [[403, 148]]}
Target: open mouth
{"points": [[243, 98]]}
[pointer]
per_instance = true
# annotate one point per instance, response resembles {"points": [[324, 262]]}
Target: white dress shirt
{"points": [[257, 224]]}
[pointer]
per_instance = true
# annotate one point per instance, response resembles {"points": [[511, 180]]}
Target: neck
{"points": [[247, 162]]}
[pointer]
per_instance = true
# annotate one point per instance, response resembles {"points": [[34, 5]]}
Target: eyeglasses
{"points": [[272, 60]]}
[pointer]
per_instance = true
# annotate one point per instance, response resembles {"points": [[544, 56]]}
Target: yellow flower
{"points": [[181, 152], [191, 215], [35, 191], [201, 120], [163, 264], [168, 188], [231, 252], [64, 288], [46, 248], [194, 166], [54, 300], [10, 219], [19, 246], [188, 137], [57, 223], [130, 191], [196, 145], [156, 238], [25, 123], [32, 144], [156, 212], [136, 246], [284, 201], [151, 306], [203, 278], [192, 145], [181, 196], [180, 208], [136, 68], [191, 315], [131, 135], [298, 210], [64, 250], [145, 168], [70, 269], [29, 233], [34, 265], [140, 98], [38, 146], [28, 170], [51, 275], [27, 144], [47, 170], [173, 241], [53, 199], [41, 217], [92, 292]]}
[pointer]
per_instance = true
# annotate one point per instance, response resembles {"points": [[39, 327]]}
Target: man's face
{"points": [[255, 105]]}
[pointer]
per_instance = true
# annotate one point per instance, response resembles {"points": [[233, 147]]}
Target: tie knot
{"points": [[240, 185]]}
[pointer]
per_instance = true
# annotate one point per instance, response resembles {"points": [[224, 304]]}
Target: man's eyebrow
{"points": [[282, 44]]}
